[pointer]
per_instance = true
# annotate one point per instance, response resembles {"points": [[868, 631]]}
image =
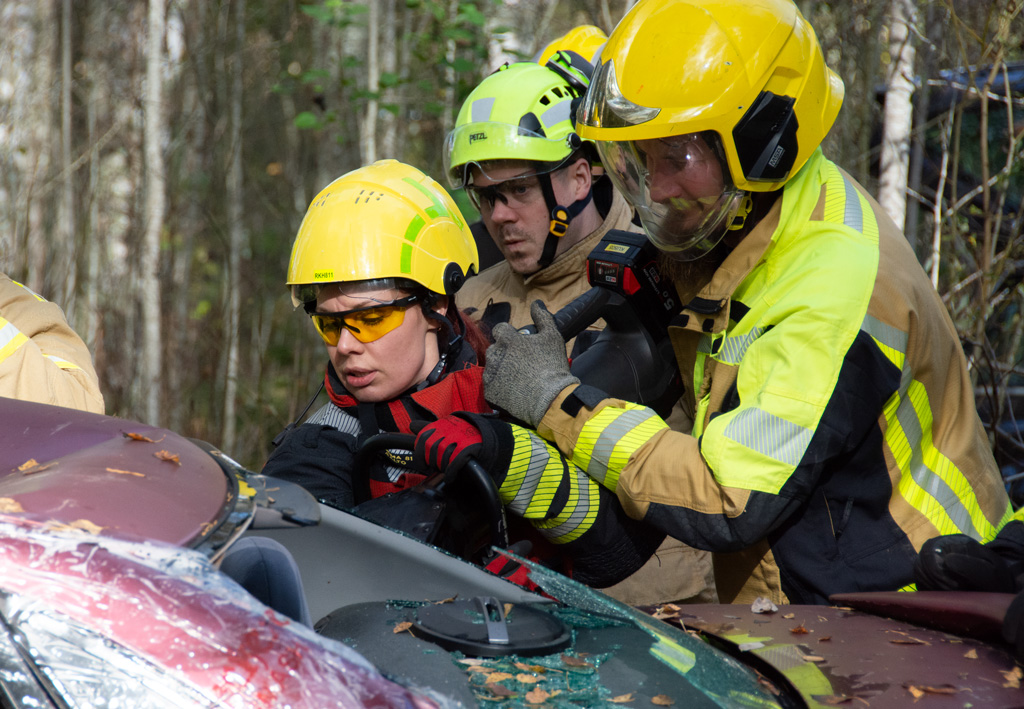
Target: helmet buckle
{"points": [[559, 222]]}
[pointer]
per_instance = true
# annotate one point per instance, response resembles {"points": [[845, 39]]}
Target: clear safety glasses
{"points": [[514, 193], [366, 324]]}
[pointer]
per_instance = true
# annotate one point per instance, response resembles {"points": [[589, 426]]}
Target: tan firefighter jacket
{"points": [[41, 358], [835, 426]]}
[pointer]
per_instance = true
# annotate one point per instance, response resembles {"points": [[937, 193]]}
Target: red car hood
{"points": [[133, 481]]}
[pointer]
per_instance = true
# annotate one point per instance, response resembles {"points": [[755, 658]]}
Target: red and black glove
{"points": [[446, 444]]}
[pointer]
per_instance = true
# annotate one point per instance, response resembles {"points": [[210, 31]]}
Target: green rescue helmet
{"points": [[523, 111]]}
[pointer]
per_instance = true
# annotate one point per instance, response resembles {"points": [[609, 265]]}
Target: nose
{"points": [[663, 183], [502, 213], [347, 343]]}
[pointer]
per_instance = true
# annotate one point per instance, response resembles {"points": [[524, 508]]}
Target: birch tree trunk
{"points": [[63, 268], [195, 165], [236, 233], [39, 145], [898, 112], [389, 64], [368, 134], [152, 366]]}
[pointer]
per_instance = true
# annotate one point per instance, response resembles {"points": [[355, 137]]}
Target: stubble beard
{"points": [[690, 277]]}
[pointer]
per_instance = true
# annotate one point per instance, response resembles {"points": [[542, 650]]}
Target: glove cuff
{"points": [[547, 394]]}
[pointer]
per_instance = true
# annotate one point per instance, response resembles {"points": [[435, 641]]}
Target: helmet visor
{"points": [[489, 144], [679, 186]]}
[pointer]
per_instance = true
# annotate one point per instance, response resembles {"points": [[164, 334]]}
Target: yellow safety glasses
{"points": [[365, 324]]}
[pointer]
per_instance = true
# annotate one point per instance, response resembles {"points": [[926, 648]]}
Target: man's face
{"points": [[684, 174], [513, 209]]}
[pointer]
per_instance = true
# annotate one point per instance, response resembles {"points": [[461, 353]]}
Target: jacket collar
{"points": [[709, 310]]}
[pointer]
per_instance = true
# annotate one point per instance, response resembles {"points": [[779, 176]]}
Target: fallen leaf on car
{"points": [[508, 608], [813, 658], [401, 627], [763, 605], [498, 677], [824, 639], [799, 630], [527, 679], [537, 696], [499, 690], [538, 669], [471, 661], [662, 700], [32, 466], [140, 437], [921, 690], [80, 525], [125, 472], [9, 504], [971, 654], [1013, 677], [575, 661], [789, 616], [168, 456], [622, 698], [446, 600]]}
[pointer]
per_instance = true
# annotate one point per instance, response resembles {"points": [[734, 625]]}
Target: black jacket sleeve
{"points": [[320, 459]]}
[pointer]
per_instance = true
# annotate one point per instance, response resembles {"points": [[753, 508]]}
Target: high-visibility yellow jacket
{"points": [[835, 426], [41, 358]]}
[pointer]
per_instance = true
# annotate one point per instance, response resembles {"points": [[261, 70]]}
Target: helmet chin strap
{"points": [[560, 219]]}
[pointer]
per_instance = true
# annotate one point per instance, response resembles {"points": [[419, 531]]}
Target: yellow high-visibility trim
{"points": [[609, 438], [62, 363], [931, 476], [893, 355], [12, 344]]}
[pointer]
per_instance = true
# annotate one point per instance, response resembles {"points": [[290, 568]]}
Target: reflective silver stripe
{"points": [[481, 110], [539, 457], [888, 335], [61, 362], [556, 114], [332, 415], [579, 514], [735, 346], [927, 479], [605, 444], [769, 435], [910, 422], [7, 333], [853, 216]]}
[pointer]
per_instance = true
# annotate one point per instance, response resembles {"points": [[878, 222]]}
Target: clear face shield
{"points": [[680, 187]]}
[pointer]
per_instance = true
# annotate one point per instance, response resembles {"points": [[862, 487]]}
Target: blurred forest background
{"points": [[157, 157]]}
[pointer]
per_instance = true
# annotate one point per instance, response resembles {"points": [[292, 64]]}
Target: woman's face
{"points": [[382, 369]]}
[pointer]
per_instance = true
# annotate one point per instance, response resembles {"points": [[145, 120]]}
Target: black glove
{"points": [[956, 562], [525, 372]]}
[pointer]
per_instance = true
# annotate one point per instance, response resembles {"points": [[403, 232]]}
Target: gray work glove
{"points": [[525, 372]]}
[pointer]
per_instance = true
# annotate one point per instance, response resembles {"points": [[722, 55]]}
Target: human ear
{"points": [[441, 306]]}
